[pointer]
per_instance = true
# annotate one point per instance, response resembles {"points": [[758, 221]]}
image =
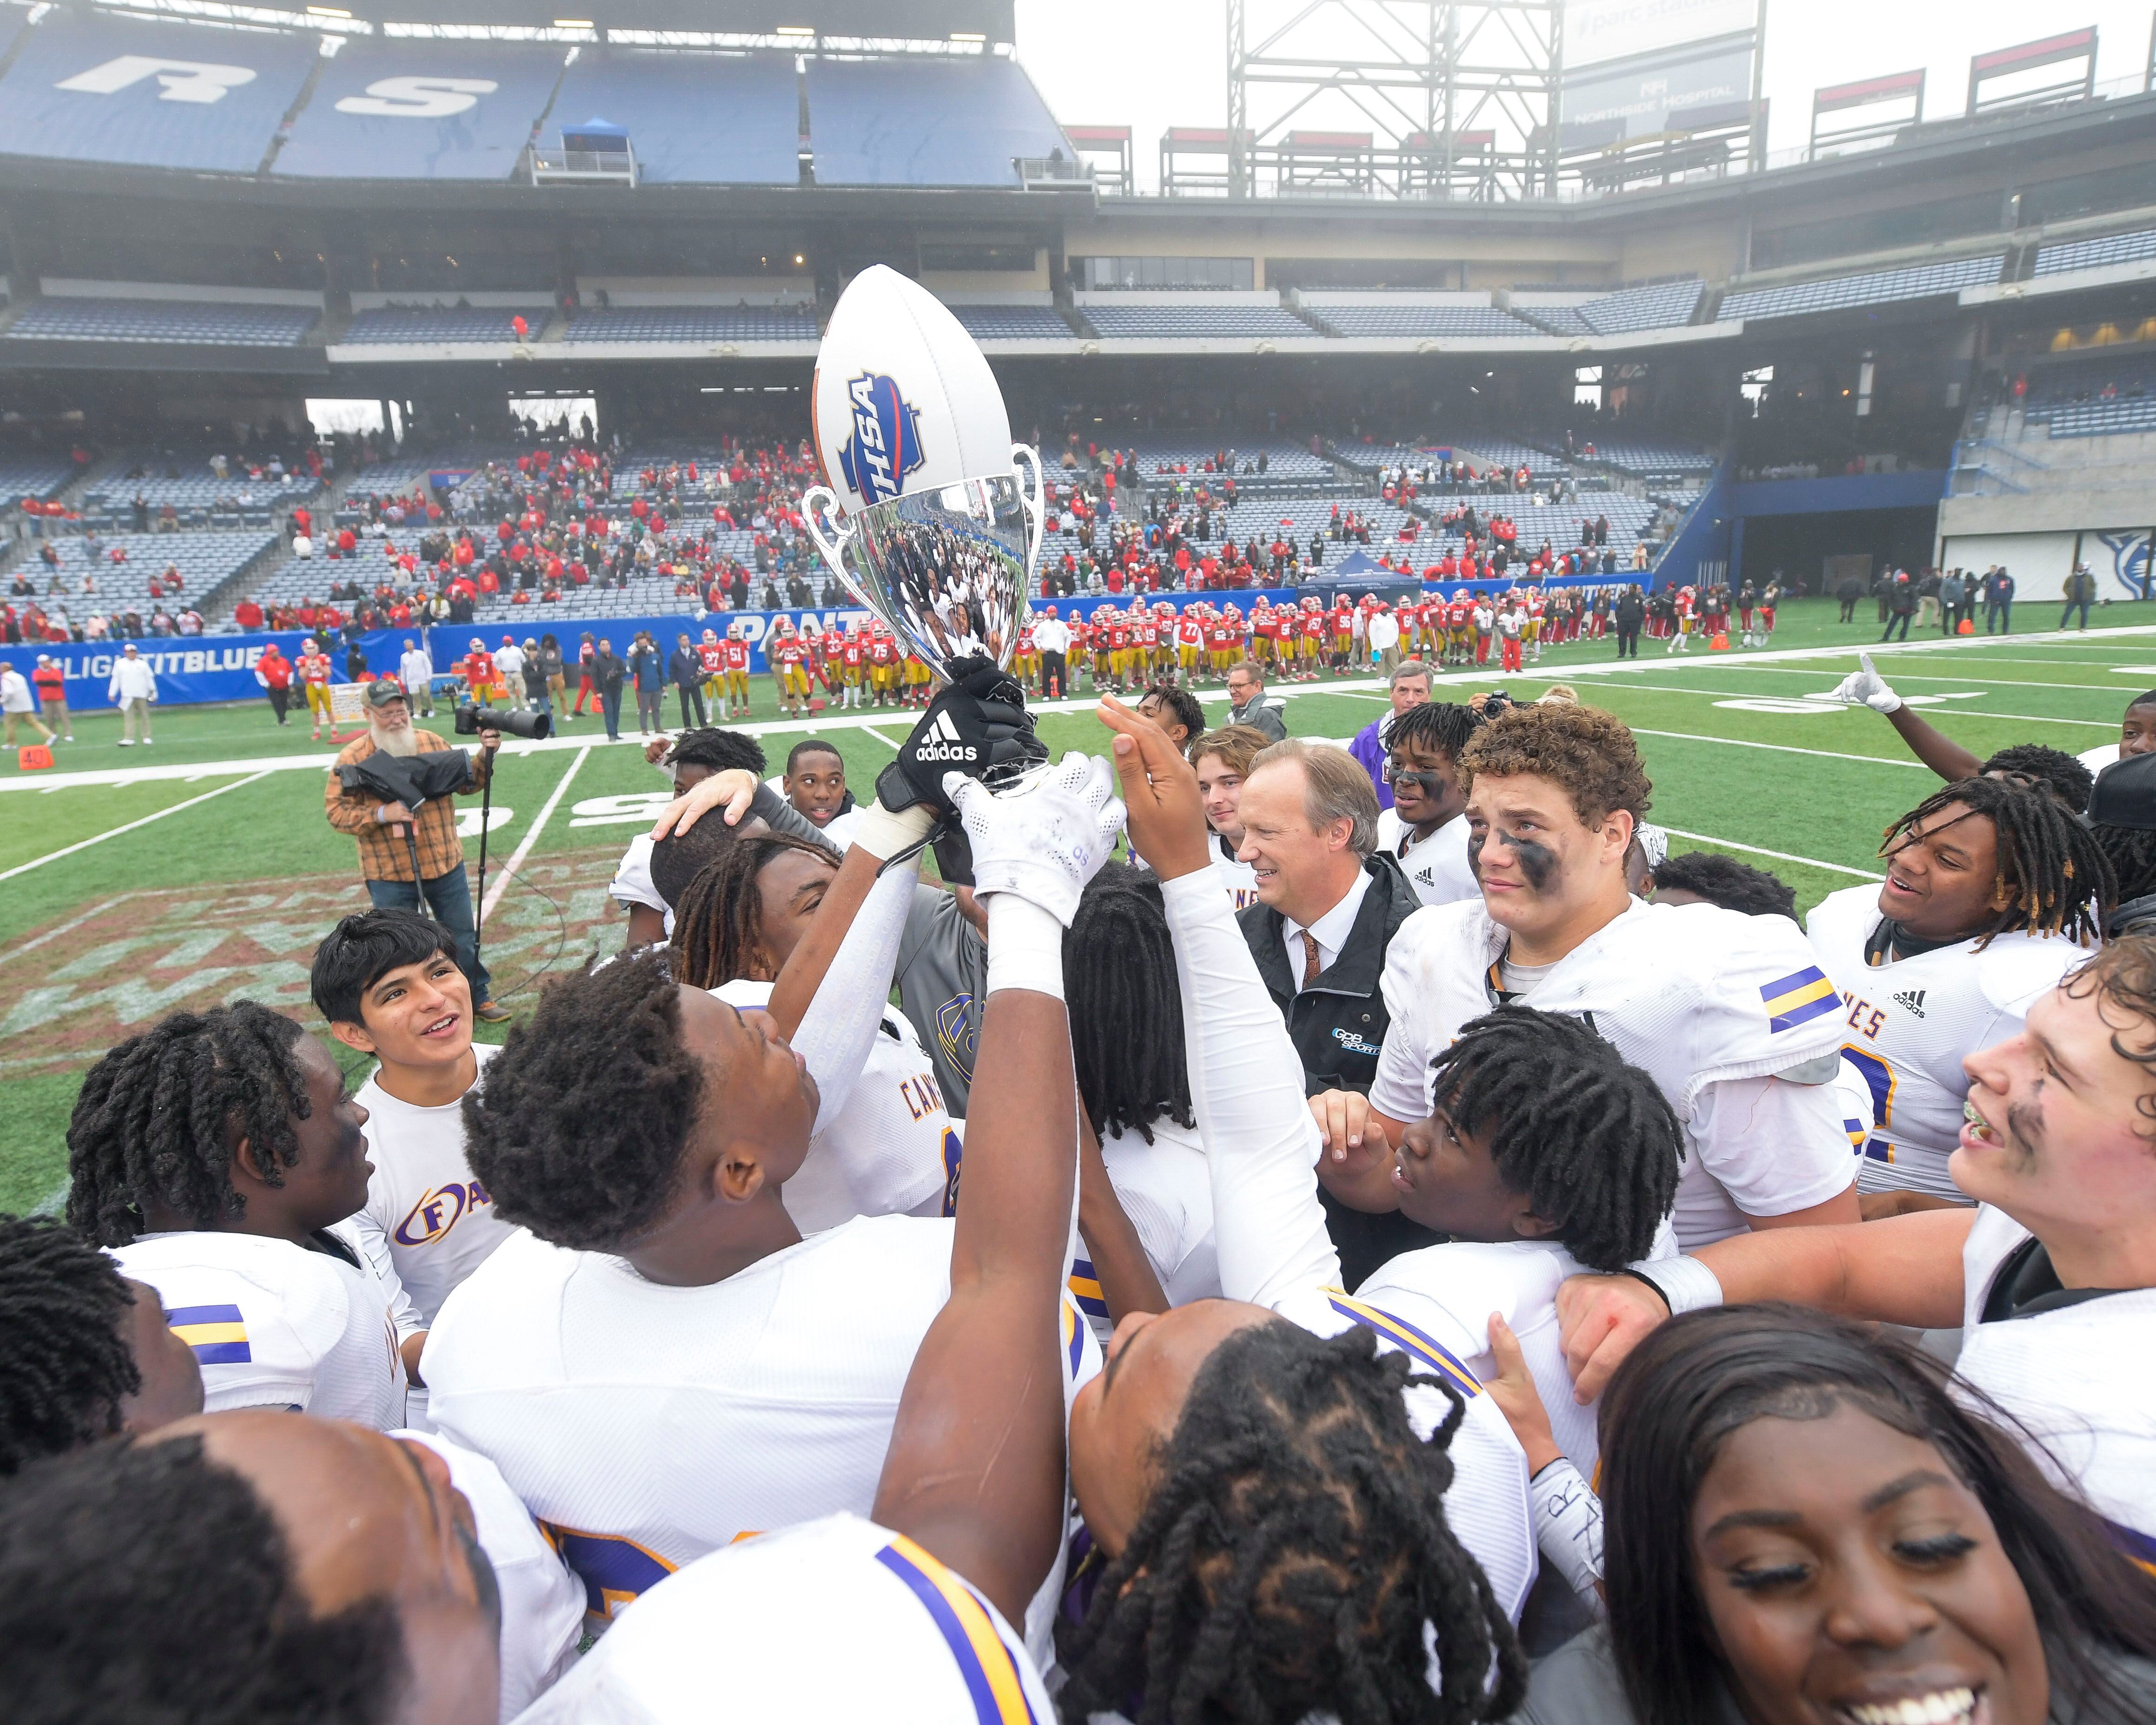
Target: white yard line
{"points": [[66, 927], [1974, 674], [531, 834], [1780, 748], [84, 843], [1809, 862]]}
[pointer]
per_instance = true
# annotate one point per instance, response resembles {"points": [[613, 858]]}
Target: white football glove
{"points": [[1044, 839], [1866, 688]]}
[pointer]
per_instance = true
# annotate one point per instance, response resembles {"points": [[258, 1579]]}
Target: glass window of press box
{"points": [[1106, 273]]}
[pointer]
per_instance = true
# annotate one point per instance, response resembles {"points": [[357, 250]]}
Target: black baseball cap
{"points": [[382, 692], [2125, 794]]}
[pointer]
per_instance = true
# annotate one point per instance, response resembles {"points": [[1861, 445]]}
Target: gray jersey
{"points": [[942, 975]]}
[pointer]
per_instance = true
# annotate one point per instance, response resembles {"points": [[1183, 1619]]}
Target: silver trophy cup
{"points": [[949, 569]]}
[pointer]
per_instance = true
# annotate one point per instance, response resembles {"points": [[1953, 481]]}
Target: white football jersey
{"points": [[1269, 1237], [423, 1203], [542, 1605], [1710, 1003], [1166, 1189], [888, 1151], [745, 1633], [644, 1425], [1908, 1024], [274, 1325], [632, 884], [2066, 1375], [1239, 878], [2103, 755], [1437, 867], [1444, 1294]]}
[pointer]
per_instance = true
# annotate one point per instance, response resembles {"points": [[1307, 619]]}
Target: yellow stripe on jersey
{"points": [[1410, 1340], [1074, 1338], [987, 1665], [1797, 999]]}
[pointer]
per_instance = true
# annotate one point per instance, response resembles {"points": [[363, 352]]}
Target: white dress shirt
{"points": [[1330, 930]]}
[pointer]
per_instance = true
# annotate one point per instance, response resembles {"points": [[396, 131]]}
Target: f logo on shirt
{"points": [[438, 1212]]}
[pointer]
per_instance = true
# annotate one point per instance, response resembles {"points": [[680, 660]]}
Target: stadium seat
{"points": [[181, 321]]}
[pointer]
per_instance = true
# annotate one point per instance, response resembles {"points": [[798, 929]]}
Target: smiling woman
{"points": [[1805, 1526]]}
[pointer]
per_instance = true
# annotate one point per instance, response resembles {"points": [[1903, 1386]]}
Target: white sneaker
{"points": [[147, 742], [127, 742]]}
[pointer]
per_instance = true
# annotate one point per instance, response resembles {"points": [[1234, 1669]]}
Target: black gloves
{"points": [[977, 726]]}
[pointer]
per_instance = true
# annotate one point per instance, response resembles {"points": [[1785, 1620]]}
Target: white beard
{"points": [[402, 741]]}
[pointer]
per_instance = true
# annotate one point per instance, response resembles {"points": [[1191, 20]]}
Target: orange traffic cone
{"points": [[1968, 626], [1720, 644]]}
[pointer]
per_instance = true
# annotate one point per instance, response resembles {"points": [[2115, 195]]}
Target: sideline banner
{"points": [[206, 668]]}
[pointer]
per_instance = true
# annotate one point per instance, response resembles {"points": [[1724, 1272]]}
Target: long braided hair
{"points": [[1291, 1553], [2059, 881], [156, 1117], [64, 1366], [719, 923], [1126, 1006], [1589, 1141]]}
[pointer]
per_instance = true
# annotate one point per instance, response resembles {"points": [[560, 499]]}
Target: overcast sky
{"points": [[1152, 64]]}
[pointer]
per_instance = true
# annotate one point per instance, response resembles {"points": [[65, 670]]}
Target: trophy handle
{"points": [[1036, 511], [815, 502]]}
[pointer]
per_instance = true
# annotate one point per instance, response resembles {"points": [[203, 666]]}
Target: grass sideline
{"points": [[101, 941]]}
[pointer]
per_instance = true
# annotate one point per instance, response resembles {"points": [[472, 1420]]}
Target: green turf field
{"points": [[206, 870]]}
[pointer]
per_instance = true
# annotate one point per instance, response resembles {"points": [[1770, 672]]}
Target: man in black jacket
{"points": [[685, 669], [1327, 909], [1630, 616]]}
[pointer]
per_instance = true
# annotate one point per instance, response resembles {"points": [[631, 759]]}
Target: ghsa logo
{"points": [[438, 1212], [885, 446]]}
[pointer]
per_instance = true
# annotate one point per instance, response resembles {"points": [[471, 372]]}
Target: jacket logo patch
{"points": [[1354, 1044], [886, 446]]}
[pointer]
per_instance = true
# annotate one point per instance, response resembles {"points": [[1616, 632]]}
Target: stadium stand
{"points": [[2094, 397], [1156, 455], [1873, 287], [926, 122], [392, 326], [189, 322], [695, 325], [95, 84], [693, 118], [1198, 320], [1665, 304], [204, 561], [469, 120], [34, 476], [1379, 315], [2133, 248], [1014, 323], [1637, 456]]}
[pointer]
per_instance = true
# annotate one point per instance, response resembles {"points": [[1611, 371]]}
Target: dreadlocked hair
{"points": [[1441, 726], [708, 746], [2131, 851], [1126, 1006], [719, 923], [2056, 770], [65, 1367], [1590, 1141], [157, 1118], [2060, 880], [1292, 1551]]}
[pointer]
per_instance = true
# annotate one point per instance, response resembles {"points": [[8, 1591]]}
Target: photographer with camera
{"points": [[393, 838]]}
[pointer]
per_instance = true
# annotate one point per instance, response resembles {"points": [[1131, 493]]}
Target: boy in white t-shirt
{"points": [[1426, 826], [389, 985], [220, 1158]]}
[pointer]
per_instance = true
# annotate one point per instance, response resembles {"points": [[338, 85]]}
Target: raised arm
{"points": [[1246, 1077], [975, 1470], [1927, 743]]}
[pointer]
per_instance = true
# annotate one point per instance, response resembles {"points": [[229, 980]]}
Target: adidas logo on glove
{"points": [[943, 743]]}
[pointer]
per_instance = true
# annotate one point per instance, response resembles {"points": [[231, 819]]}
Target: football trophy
{"points": [[932, 518]]}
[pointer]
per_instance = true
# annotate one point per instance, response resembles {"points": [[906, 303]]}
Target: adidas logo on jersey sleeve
{"points": [[1912, 1000]]}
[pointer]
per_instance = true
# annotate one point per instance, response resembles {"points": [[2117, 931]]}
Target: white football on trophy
{"points": [[903, 399]]}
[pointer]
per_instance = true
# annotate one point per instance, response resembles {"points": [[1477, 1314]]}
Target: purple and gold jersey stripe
{"points": [[2139, 1547], [218, 1334], [1085, 1289], [1410, 1340], [1798, 999], [988, 1666]]}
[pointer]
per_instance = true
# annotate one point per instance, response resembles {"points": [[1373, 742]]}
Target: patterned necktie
{"points": [[1310, 966]]}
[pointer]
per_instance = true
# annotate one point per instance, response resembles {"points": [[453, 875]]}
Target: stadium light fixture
{"points": [[327, 11]]}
